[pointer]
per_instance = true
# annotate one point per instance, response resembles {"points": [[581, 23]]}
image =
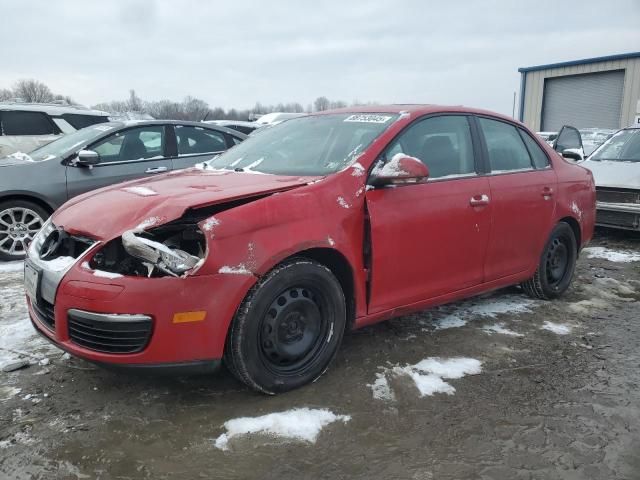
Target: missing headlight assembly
{"points": [[174, 249]]}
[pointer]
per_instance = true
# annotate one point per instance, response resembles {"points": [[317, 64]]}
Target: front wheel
{"points": [[556, 267], [288, 328], [20, 220]]}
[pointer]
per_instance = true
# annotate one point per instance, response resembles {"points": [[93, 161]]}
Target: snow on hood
{"points": [[609, 173], [16, 158], [174, 193]]}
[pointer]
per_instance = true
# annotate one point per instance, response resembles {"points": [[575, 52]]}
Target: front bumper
{"points": [[149, 304], [618, 215]]}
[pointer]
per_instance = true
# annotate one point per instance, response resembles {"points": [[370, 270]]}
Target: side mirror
{"points": [[87, 158], [573, 154], [400, 170]]}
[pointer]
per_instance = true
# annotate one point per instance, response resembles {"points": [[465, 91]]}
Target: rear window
{"points": [[26, 123], [79, 121]]}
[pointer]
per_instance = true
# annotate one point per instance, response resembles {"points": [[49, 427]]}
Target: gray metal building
{"points": [[601, 92]]}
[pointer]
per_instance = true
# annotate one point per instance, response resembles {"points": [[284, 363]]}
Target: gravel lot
{"points": [[499, 387]]}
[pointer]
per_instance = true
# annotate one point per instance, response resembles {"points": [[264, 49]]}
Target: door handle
{"points": [[479, 200], [547, 192], [156, 170]]}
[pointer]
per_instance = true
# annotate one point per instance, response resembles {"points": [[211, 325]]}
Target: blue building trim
{"points": [[523, 86], [609, 58]]}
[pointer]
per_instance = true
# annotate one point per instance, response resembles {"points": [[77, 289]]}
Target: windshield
{"points": [[316, 145], [624, 146], [66, 144]]}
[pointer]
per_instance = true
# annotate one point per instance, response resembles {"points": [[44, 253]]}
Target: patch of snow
{"points": [[359, 192], [7, 392], [622, 256], [252, 165], [557, 328], [11, 267], [450, 321], [21, 156], [238, 270], [209, 223], [500, 328], [458, 315], [342, 202], [299, 424], [331, 241], [18, 338], [381, 389], [576, 210], [103, 274], [142, 191], [148, 223], [358, 170]]}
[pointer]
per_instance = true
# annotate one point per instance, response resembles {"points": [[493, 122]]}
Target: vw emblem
{"points": [[50, 245]]}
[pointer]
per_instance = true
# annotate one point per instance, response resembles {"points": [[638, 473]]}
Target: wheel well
{"points": [[28, 198], [340, 267], [575, 226]]}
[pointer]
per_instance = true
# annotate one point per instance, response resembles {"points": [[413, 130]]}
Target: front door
{"points": [[430, 239], [125, 155], [522, 198]]}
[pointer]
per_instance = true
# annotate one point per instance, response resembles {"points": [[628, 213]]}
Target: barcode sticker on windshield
{"points": [[367, 118]]}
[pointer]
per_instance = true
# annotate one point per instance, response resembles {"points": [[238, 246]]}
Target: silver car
{"points": [[32, 186]]}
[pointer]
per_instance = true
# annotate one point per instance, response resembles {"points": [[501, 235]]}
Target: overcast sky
{"points": [[232, 54]]}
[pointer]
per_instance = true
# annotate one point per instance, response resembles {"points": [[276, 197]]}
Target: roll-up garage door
{"points": [[583, 101]]}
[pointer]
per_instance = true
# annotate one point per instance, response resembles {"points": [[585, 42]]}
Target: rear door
{"points": [[125, 155], [429, 239], [196, 144], [523, 188]]}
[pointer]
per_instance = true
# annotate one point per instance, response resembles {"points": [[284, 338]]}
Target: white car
{"points": [[616, 170], [277, 117], [27, 126]]}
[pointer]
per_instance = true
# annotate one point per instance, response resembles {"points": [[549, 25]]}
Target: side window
{"points": [[79, 121], [442, 143], [195, 140], [27, 123], [134, 144], [506, 149], [538, 156]]}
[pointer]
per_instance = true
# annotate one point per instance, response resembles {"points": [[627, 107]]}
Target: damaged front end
{"points": [[175, 249]]}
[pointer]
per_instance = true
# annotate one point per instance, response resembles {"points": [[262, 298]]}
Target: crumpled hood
{"points": [[108, 212], [608, 173]]}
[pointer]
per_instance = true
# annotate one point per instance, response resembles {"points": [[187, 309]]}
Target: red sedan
{"points": [[265, 255]]}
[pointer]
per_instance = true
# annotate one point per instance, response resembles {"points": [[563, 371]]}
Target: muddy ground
{"points": [[557, 397]]}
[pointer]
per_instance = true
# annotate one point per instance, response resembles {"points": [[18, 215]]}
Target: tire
{"points": [[20, 220], [288, 328], [557, 265]]}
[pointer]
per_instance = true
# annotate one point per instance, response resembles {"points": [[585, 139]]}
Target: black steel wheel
{"points": [[557, 264], [288, 328]]}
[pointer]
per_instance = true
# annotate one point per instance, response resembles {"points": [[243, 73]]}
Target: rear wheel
{"points": [[20, 220], [556, 267], [288, 328]]}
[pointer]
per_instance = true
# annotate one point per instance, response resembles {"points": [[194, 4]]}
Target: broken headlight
{"points": [[173, 249]]}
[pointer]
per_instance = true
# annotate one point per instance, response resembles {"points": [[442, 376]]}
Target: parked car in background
{"points": [[616, 170], [266, 254], [277, 117], [27, 126], [33, 185], [244, 127]]}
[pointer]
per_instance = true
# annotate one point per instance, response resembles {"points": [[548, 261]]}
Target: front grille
{"points": [[44, 312], [613, 195], [109, 336], [618, 219]]}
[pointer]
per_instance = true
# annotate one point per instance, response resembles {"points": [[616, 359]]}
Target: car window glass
{"points": [[540, 159], [194, 140], [134, 144], [568, 137], [26, 123], [442, 143], [624, 146], [79, 121], [505, 147]]}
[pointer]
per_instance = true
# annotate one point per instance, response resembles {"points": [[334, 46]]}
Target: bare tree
{"points": [[321, 104], [6, 94], [32, 91], [134, 104]]}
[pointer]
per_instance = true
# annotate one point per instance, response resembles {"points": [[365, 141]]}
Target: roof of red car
{"points": [[415, 108]]}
